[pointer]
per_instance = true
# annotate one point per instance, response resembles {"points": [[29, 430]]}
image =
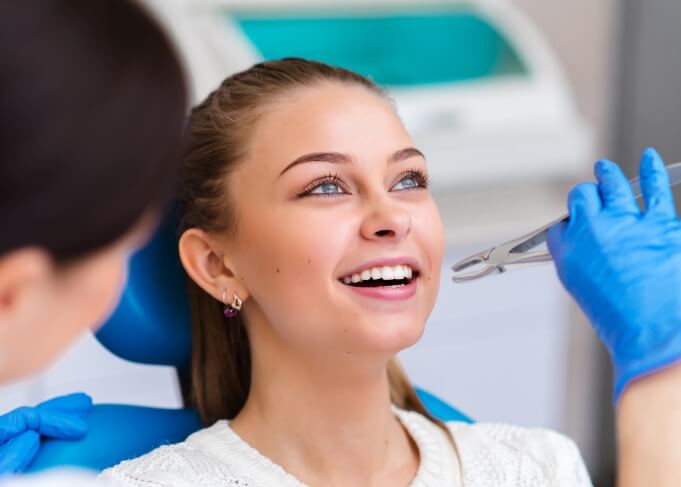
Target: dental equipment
{"points": [[516, 252]]}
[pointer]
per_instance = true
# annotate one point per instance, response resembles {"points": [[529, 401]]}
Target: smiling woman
{"points": [[286, 177], [314, 248]]}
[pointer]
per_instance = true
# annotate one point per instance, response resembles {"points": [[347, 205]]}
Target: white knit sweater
{"points": [[486, 455]]}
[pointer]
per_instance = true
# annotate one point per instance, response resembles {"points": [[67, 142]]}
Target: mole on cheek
{"points": [[278, 270], [309, 261]]}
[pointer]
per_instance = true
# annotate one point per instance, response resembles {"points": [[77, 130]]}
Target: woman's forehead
{"points": [[327, 118]]}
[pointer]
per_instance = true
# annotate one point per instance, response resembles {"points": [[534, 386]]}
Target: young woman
{"points": [[314, 250]]}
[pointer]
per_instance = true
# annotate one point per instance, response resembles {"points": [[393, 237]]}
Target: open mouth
{"points": [[386, 276]]}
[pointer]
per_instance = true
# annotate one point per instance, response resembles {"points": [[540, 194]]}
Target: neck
{"points": [[325, 423]]}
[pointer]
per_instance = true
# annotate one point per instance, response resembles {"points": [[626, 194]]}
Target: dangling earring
{"points": [[234, 307]]}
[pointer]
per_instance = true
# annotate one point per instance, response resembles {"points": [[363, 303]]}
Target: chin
{"points": [[394, 336]]}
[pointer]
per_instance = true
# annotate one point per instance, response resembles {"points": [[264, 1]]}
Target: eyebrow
{"points": [[341, 158]]}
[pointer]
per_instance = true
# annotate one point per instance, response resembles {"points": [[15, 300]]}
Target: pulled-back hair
{"points": [[218, 134]]}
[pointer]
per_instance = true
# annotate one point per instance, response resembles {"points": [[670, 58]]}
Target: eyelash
{"points": [[419, 176], [328, 179]]}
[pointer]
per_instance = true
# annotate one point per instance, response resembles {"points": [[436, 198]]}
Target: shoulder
{"points": [[178, 465], [511, 455]]}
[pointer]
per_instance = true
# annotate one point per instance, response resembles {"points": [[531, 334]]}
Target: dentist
{"points": [[92, 103], [623, 267]]}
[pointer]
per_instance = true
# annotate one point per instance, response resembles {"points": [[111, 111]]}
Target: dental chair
{"points": [[151, 325]]}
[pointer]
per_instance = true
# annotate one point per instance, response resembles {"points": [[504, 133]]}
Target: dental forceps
{"points": [[516, 252]]}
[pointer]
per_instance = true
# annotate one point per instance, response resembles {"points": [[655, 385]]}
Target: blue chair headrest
{"points": [[151, 323]]}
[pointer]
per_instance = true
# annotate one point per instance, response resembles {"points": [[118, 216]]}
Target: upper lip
{"points": [[384, 261]]}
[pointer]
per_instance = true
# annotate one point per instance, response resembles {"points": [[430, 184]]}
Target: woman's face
{"points": [[332, 191], [51, 306]]}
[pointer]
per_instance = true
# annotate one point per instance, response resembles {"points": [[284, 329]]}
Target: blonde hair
{"points": [[218, 133]]}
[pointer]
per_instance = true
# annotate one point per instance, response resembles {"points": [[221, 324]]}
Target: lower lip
{"points": [[397, 293]]}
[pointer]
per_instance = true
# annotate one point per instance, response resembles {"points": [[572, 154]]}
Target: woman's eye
{"points": [[331, 185], [407, 183], [327, 188], [411, 181]]}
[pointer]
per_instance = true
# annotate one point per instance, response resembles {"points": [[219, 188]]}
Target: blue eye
{"points": [[328, 186], [411, 180], [326, 189], [407, 183]]}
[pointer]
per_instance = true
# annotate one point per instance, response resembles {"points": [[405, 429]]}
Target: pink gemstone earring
{"points": [[234, 307]]}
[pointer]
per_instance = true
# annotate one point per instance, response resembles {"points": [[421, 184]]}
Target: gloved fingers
{"points": [[18, 453], [78, 403], [614, 188], [63, 417], [17, 421], [584, 201], [554, 240], [65, 426], [655, 186]]}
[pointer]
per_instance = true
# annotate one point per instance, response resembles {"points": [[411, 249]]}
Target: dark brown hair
{"points": [[218, 134], [92, 103]]}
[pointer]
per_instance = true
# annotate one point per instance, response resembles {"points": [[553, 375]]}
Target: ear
{"points": [[205, 262], [22, 271]]}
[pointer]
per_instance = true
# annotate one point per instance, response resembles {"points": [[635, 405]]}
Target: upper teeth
{"points": [[386, 272]]}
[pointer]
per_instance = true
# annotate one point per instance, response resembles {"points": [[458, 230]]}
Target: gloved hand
{"points": [[623, 266], [20, 430]]}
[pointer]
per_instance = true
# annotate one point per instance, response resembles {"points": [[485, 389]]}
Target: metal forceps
{"points": [[516, 252]]}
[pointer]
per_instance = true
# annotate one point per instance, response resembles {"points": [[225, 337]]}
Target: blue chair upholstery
{"points": [[118, 432], [153, 308], [151, 325], [440, 409]]}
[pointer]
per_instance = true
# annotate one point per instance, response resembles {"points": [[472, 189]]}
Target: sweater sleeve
{"points": [[504, 455]]}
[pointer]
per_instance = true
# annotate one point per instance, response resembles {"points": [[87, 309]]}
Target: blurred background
{"points": [[511, 101]]}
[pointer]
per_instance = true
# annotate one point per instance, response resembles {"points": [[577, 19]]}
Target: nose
{"points": [[386, 221]]}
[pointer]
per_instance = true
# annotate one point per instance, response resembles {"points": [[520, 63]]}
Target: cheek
{"points": [[302, 253], [68, 307], [289, 269], [94, 290], [436, 240], [429, 232]]}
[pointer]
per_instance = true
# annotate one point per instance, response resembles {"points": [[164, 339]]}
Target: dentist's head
{"points": [[93, 99], [307, 199]]}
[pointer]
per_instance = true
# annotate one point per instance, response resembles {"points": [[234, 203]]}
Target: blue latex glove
{"points": [[623, 266], [20, 430]]}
